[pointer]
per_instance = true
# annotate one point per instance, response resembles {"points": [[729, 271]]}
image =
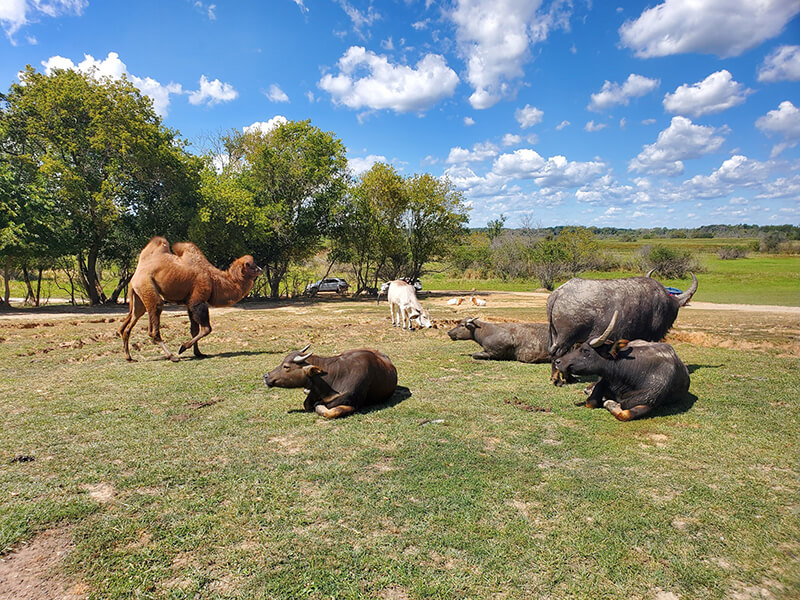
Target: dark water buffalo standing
{"points": [[337, 385], [580, 308], [525, 342], [635, 376]]}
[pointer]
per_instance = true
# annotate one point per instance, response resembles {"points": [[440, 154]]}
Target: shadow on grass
{"points": [[400, 393], [241, 353], [693, 368], [676, 408]]}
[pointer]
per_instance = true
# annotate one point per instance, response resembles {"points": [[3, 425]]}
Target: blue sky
{"points": [[630, 114]]}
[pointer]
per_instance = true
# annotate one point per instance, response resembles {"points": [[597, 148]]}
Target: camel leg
{"points": [[200, 315], [135, 311], [195, 329], [154, 311]]}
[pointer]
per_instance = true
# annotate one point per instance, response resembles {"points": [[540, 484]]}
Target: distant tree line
{"points": [[88, 173]]}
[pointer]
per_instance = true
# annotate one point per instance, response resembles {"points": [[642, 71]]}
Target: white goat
{"points": [[405, 306]]}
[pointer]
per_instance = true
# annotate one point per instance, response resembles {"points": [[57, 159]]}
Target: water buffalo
{"points": [[525, 342], [635, 376], [337, 385], [580, 309]]}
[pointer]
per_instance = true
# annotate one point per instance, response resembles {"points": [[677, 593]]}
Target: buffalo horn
{"points": [[687, 295], [599, 341], [301, 357], [650, 273]]}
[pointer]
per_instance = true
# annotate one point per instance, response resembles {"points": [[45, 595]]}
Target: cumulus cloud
{"points": [[680, 141], [613, 93], [528, 116], [212, 92], [469, 121], [785, 120], [494, 37], [783, 64], [265, 126], [715, 93], [367, 80], [722, 27], [511, 139], [359, 165], [563, 124], [479, 152], [591, 126], [15, 14], [735, 173], [276, 94], [111, 66]]}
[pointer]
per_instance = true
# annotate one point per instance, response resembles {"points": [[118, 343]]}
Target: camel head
{"points": [[245, 268]]}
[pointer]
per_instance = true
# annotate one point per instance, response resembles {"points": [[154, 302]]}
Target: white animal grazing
{"points": [[405, 306]]}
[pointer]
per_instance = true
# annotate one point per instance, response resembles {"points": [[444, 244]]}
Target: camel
{"points": [[185, 277]]}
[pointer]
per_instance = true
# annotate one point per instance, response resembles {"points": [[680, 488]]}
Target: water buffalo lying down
{"points": [[635, 376], [525, 342], [579, 309], [338, 385]]}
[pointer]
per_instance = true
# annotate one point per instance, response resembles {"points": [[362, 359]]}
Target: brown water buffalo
{"points": [[525, 342], [635, 376], [580, 308], [337, 385]]}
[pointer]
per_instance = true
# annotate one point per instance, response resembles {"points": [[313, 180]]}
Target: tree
{"points": [[434, 220], [495, 226], [273, 197], [105, 154]]}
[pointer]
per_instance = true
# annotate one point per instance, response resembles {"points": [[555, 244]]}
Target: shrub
{"points": [[672, 263], [771, 241], [732, 252]]}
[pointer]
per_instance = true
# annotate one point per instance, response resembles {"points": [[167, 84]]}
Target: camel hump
{"points": [[191, 255], [157, 245]]}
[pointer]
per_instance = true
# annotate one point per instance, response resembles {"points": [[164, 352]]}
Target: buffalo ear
{"points": [[618, 347], [311, 370]]}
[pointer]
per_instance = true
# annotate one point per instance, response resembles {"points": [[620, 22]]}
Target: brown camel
{"points": [[185, 277]]}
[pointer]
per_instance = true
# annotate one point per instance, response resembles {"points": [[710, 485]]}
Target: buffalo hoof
{"points": [[173, 358]]}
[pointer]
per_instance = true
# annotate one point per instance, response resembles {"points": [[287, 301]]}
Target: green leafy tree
{"points": [[273, 197], [105, 154], [433, 221]]}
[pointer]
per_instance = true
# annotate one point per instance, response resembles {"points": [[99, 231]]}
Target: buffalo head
{"points": [[293, 372], [464, 330], [589, 357]]}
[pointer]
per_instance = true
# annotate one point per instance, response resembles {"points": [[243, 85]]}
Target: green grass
{"points": [[223, 489]]}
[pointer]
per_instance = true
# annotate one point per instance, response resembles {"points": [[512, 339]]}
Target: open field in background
{"points": [[478, 480], [756, 279]]}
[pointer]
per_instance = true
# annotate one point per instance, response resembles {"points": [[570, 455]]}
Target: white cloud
{"points": [[528, 116], [494, 37], [614, 93], [783, 64], [715, 93], [265, 126], [113, 67], [361, 165], [469, 121], [511, 139], [785, 120], [736, 172], [479, 152], [419, 25], [301, 5], [386, 86], [680, 141], [563, 124], [15, 14], [212, 92], [276, 94], [591, 126], [722, 27], [360, 20], [209, 10]]}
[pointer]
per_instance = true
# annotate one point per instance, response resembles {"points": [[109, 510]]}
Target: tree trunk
{"points": [[90, 280], [7, 291], [124, 280], [30, 297]]}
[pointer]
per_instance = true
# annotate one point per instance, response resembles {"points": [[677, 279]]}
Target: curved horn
{"points": [[650, 273], [599, 341], [301, 357], [687, 295], [471, 321]]}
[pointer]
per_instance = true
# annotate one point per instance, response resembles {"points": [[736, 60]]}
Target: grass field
{"points": [[478, 480]]}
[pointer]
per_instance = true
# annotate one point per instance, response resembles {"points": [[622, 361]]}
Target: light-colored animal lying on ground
{"points": [[525, 342], [635, 376], [405, 306], [185, 277], [477, 301], [338, 385], [456, 301]]}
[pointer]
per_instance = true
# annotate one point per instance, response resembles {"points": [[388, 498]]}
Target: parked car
{"points": [[330, 284]]}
